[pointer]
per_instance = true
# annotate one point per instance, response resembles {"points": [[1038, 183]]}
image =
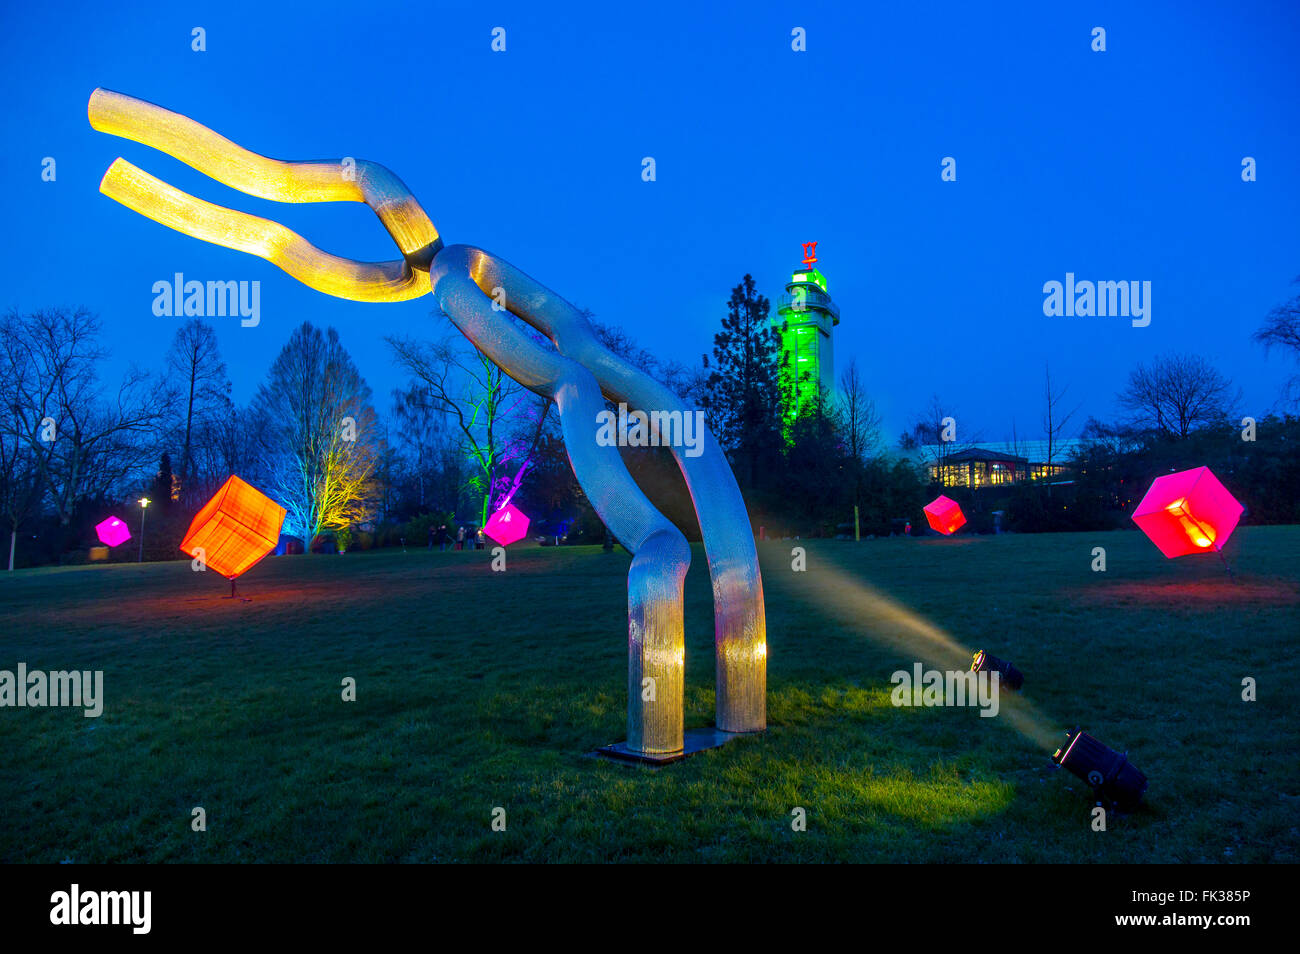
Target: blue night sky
{"points": [[1117, 165]]}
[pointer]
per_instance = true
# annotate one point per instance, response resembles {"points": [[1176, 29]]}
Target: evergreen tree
{"points": [[743, 391], [815, 459], [164, 484]]}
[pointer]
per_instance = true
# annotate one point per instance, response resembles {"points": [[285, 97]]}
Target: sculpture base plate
{"points": [[694, 740]]}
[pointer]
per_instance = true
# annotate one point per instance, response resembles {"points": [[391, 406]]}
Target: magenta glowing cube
{"points": [[112, 531], [944, 515], [507, 525], [1188, 512]]}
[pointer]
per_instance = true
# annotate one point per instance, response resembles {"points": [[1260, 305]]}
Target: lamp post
{"points": [[144, 502]]}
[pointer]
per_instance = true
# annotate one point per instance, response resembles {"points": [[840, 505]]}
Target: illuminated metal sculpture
{"points": [[1188, 512], [944, 515], [112, 531], [234, 529], [578, 375]]}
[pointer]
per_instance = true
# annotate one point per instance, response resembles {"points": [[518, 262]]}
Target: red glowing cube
{"points": [[1188, 512], [507, 525], [235, 529], [944, 515], [112, 531]]}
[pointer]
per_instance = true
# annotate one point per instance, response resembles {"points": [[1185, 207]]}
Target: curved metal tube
{"points": [[740, 629], [340, 277], [661, 555], [275, 179]]}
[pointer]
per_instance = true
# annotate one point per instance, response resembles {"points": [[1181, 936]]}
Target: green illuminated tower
{"points": [[805, 320]]}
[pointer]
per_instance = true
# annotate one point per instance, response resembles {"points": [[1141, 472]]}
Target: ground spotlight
{"points": [[1114, 780], [1011, 677]]}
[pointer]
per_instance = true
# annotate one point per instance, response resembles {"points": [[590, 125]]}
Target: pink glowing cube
{"points": [[507, 525], [944, 515], [1188, 512], [112, 531]]}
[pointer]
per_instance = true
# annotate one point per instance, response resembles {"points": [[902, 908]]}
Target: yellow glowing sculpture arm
{"points": [[341, 277], [223, 160]]}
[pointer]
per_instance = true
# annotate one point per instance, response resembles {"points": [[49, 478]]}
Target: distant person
{"points": [[479, 541], [460, 537], [432, 535]]}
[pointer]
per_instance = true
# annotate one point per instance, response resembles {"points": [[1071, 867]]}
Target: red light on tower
{"points": [[944, 516], [1188, 512], [809, 252]]}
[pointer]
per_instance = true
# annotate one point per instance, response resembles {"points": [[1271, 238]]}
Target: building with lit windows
{"points": [[991, 465]]}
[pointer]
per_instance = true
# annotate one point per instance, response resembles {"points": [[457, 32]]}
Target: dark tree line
{"points": [[460, 438]]}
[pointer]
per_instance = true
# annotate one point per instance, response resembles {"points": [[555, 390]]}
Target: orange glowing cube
{"points": [[1188, 512], [944, 515], [235, 529]]}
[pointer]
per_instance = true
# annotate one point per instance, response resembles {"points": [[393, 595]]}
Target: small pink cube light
{"points": [[112, 531], [507, 525], [944, 515]]}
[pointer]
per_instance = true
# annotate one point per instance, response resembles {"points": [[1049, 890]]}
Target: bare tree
{"points": [[422, 432], [20, 472], [204, 390], [1015, 447], [937, 434], [1055, 420], [320, 434], [229, 441], [858, 422], [83, 441], [689, 384], [1281, 329], [500, 423], [856, 415], [1178, 394]]}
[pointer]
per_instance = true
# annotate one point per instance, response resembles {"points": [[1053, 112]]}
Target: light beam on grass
{"points": [[888, 623]]}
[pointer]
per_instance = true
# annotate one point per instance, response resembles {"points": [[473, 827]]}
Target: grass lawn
{"points": [[478, 689]]}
